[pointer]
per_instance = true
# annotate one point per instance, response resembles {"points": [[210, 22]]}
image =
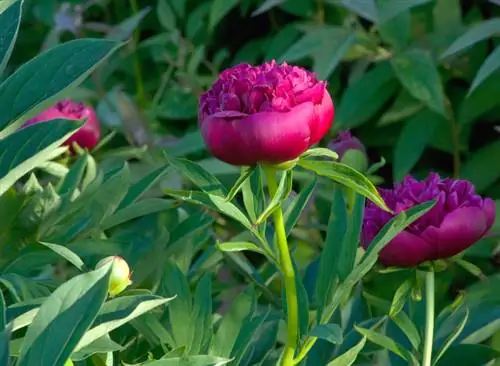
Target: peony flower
{"points": [[270, 113], [351, 150], [120, 274], [87, 136], [459, 218]]}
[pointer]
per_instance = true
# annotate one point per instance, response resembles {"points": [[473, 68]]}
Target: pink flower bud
{"points": [[264, 114], [120, 274], [87, 136]]}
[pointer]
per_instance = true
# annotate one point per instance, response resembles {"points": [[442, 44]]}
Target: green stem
{"points": [[288, 272], [141, 94], [429, 318]]}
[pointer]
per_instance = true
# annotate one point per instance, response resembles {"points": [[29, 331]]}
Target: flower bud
{"points": [[120, 274], [351, 151]]}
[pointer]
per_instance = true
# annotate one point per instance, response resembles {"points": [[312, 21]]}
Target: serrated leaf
{"points": [[10, 19], [416, 134], [349, 357], [57, 70], [476, 33], [36, 144], [346, 176], [63, 319], [418, 73]]}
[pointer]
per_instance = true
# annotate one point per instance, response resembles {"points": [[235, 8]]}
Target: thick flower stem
{"points": [[288, 272], [429, 318]]}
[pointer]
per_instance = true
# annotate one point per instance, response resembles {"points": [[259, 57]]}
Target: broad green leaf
{"points": [[364, 8], [320, 152], [447, 16], [397, 30], [418, 73], [199, 176], [72, 179], [417, 133], [213, 202], [145, 183], [404, 106], [346, 176], [238, 246], [372, 91], [10, 19], [200, 360], [349, 357], [64, 318], [386, 343], [102, 345], [246, 172], [36, 145], [136, 210], [476, 33], [253, 194], [453, 336], [231, 323], [329, 332], [296, 207], [408, 328], [218, 10], [468, 355], [389, 9], [117, 312], [489, 66], [283, 191], [67, 254], [400, 297], [478, 168], [56, 69], [166, 15]]}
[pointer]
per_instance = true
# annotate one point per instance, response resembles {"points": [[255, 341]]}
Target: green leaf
{"points": [[408, 328], [469, 355], [246, 172], [200, 360], [213, 202], [416, 134], [478, 169], [117, 312], [218, 10], [202, 316], [238, 246], [102, 345], [453, 336], [489, 66], [142, 186], [320, 152], [329, 332], [10, 19], [349, 357], [400, 297], [72, 179], [124, 30], [418, 73], [346, 176], [67, 254], [3, 319], [404, 106], [372, 91], [199, 176], [389, 9], [266, 6], [166, 15], [386, 343], [137, 210], [36, 145], [480, 101], [283, 191], [57, 70], [297, 206], [253, 194], [64, 318], [364, 8], [397, 31], [231, 323], [476, 33]]}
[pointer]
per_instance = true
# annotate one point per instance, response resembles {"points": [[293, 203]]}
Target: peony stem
{"points": [[288, 272], [429, 318]]}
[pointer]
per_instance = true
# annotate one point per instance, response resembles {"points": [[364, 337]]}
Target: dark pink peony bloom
{"points": [[87, 136], [264, 114], [346, 141], [459, 218]]}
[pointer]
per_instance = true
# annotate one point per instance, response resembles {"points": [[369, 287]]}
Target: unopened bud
{"points": [[351, 151], [120, 274]]}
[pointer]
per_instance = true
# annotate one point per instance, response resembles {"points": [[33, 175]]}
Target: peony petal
{"points": [[406, 250], [324, 113], [489, 208], [264, 137], [458, 231]]}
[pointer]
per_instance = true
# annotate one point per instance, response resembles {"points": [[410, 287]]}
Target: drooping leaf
{"points": [[489, 66], [349, 357], [386, 343], [67, 254]]}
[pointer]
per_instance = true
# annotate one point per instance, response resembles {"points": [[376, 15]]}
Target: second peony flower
{"points": [[459, 219], [267, 114]]}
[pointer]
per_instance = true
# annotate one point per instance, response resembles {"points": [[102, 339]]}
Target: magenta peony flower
{"points": [[87, 136], [459, 218], [264, 114]]}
